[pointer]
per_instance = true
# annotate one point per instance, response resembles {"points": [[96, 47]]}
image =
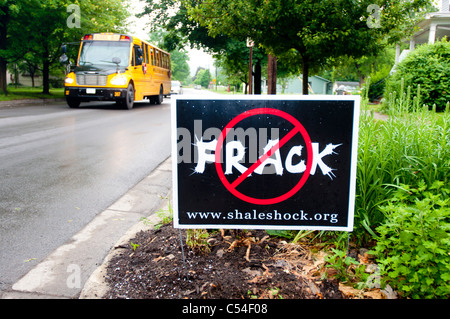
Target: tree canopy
{"points": [[35, 30], [307, 33]]}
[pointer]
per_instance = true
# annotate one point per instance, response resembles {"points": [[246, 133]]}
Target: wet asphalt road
{"points": [[60, 167]]}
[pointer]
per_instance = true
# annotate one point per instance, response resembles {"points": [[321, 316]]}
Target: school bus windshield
{"points": [[102, 52]]}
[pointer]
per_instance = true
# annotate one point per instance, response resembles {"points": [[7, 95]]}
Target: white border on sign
{"points": [[354, 156]]}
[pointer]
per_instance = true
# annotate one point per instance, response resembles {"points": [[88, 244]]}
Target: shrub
{"points": [[405, 149], [414, 241], [428, 66]]}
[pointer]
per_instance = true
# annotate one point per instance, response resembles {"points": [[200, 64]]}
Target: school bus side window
{"points": [[157, 57], [152, 58], [137, 55], [145, 48]]}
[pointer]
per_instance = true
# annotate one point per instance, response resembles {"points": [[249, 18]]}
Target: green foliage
{"points": [[196, 239], [414, 242], [290, 234], [178, 56], [348, 269], [36, 29], [165, 216], [427, 69], [30, 93], [203, 78], [307, 33], [134, 246], [405, 149], [180, 67]]}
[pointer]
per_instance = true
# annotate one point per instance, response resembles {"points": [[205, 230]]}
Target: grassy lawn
{"points": [[30, 93]]}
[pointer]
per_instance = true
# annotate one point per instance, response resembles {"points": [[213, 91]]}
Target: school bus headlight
{"points": [[68, 80], [119, 80]]}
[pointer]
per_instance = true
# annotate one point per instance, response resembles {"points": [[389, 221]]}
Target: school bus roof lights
{"points": [[107, 37]]}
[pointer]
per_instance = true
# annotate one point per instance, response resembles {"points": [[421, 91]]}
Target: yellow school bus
{"points": [[118, 67]]}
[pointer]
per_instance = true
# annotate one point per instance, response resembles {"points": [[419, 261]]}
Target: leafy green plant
{"points": [[340, 262], [405, 149], [414, 242], [196, 239], [165, 215], [134, 246], [428, 66]]}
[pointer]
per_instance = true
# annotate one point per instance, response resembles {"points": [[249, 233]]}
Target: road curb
{"points": [[29, 102], [72, 270], [96, 287]]}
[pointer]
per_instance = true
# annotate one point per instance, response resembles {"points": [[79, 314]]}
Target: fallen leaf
{"points": [[375, 294], [363, 259], [389, 293], [220, 253], [158, 258], [350, 291], [252, 273], [267, 273], [28, 260]]}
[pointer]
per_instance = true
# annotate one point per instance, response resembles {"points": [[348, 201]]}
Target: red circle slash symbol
{"points": [[298, 128]]}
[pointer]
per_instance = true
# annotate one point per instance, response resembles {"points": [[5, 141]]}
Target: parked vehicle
{"points": [[176, 88]]}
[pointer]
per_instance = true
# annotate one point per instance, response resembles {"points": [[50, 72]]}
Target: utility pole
{"points": [[250, 44]]}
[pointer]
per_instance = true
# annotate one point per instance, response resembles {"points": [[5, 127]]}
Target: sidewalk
{"points": [[22, 102], [76, 269]]}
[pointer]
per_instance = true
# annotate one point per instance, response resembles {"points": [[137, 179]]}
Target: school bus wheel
{"points": [[157, 99], [160, 96], [73, 102], [128, 101]]}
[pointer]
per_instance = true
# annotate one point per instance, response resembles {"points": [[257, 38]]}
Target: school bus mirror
{"points": [[63, 48], [63, 59], [116, 60]]}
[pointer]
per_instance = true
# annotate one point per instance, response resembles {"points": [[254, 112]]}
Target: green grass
{"points": [[409, 148], [21, 93]]}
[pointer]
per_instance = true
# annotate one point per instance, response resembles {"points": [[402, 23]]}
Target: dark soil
{"points": [[238, 265]]}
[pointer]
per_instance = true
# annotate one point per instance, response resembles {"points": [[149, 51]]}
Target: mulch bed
{"points": [[237, 265]]}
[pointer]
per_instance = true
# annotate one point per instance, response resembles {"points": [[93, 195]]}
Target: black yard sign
{"points": [[265, 162]]}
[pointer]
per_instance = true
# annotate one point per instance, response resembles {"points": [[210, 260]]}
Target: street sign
{"points": [[255, 162]]}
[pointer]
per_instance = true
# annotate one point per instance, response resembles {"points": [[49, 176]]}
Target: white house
{"points": [[435, 26]]}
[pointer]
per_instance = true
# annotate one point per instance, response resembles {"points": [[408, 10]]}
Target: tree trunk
{"points": [[305, 74], [245, 84], [257, 78], [3, 76], [271, 74], [46, 76], [3, 63]]}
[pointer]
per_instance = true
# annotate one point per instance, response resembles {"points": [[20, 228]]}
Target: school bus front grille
{"points": [[91, 79]]}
